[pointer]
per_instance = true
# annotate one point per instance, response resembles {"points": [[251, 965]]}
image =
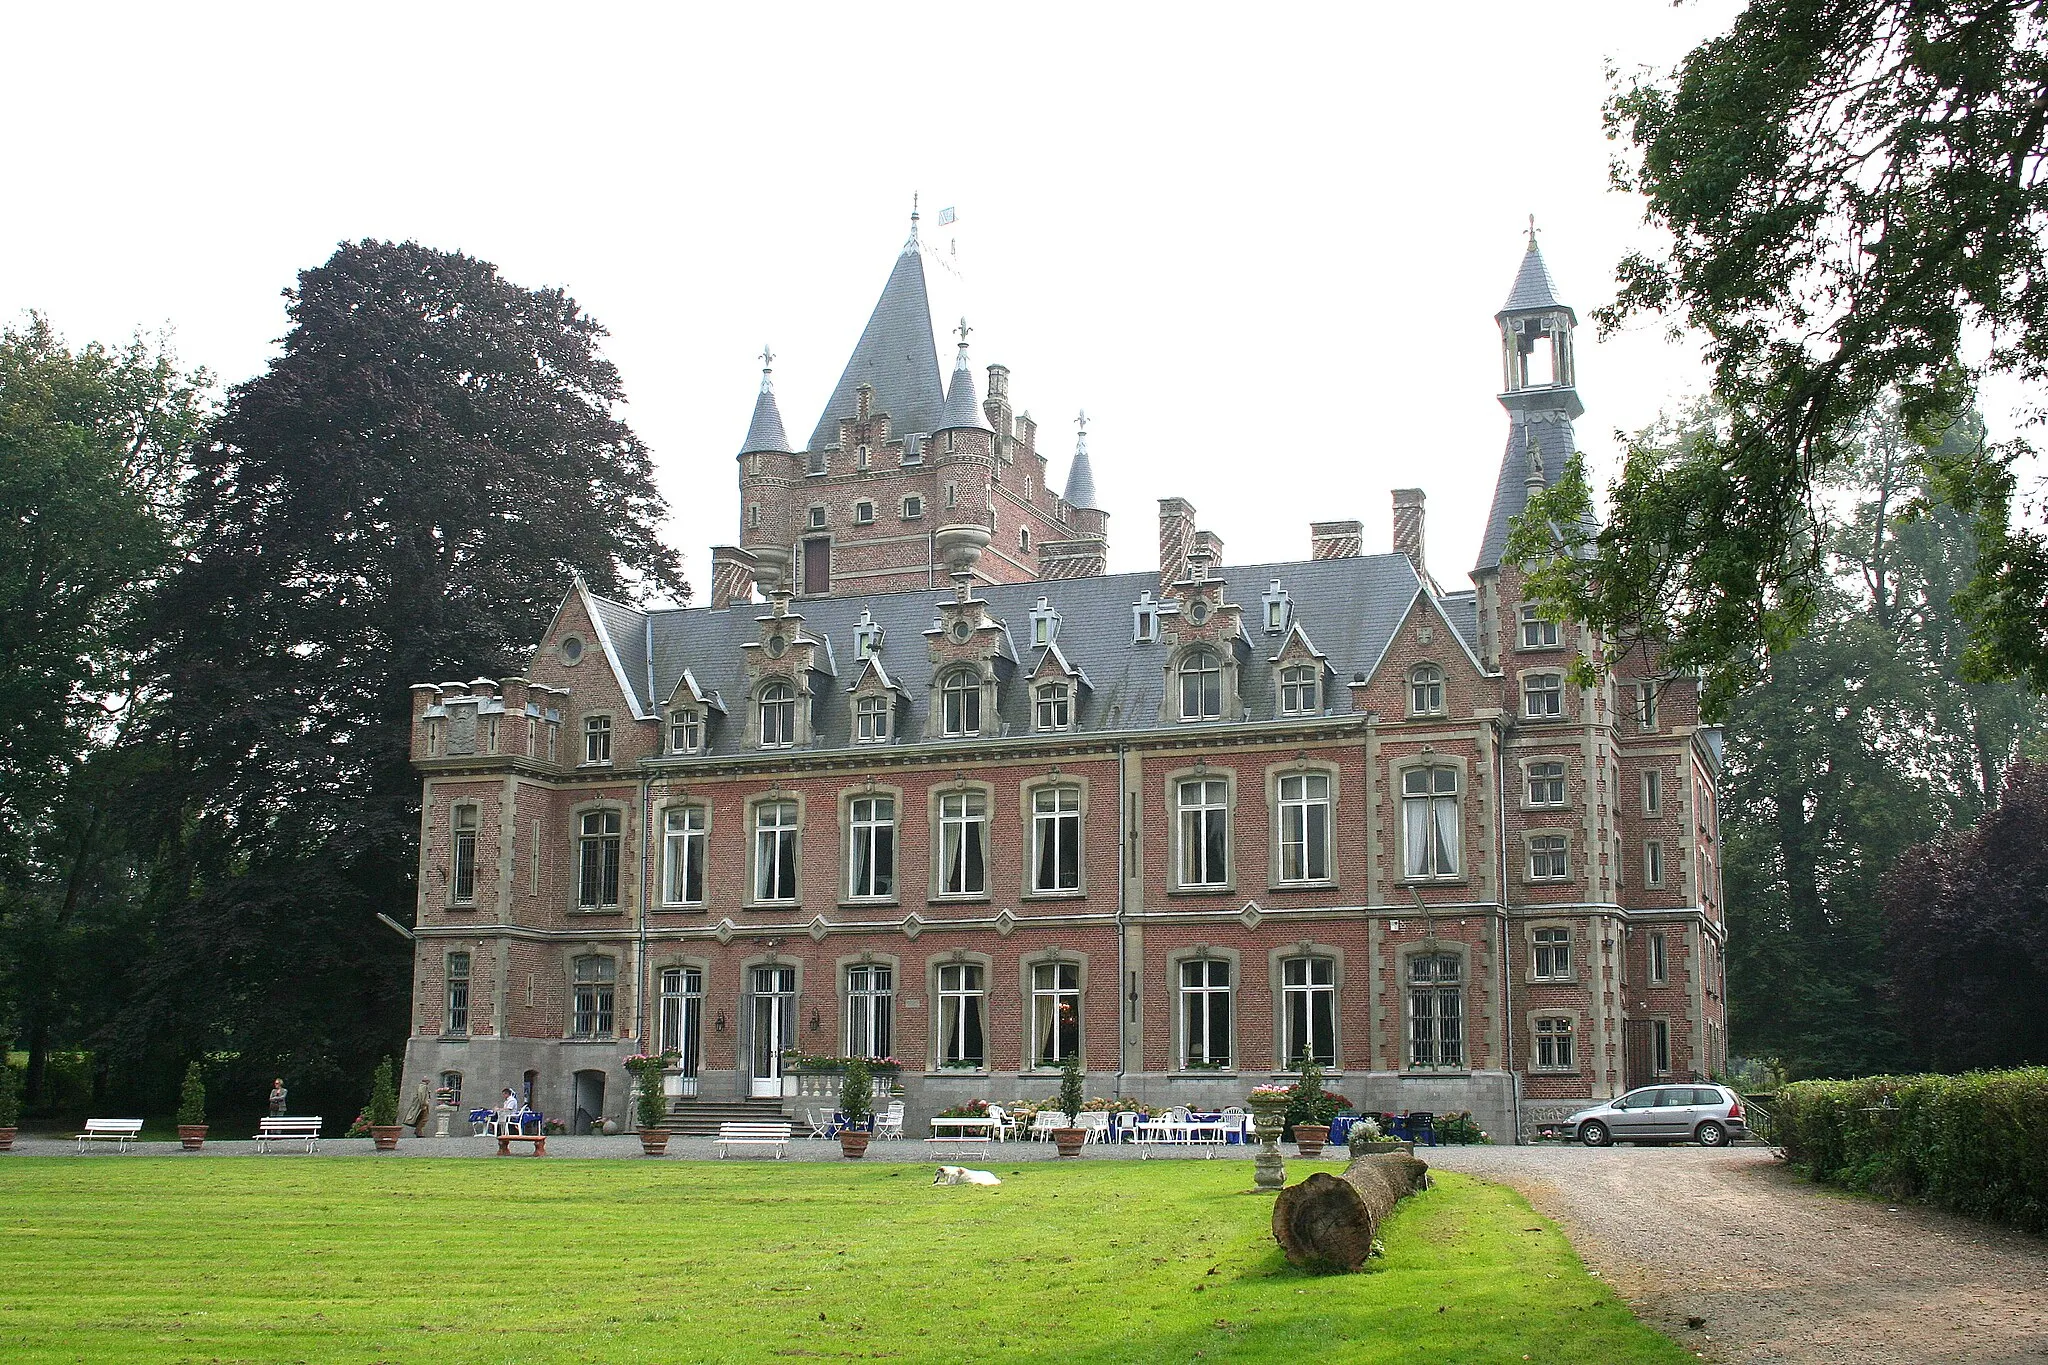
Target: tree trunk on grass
{"points": [[1331, 1220]]}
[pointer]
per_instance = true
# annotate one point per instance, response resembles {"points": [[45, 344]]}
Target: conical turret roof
{"points": [[1080, 477], [963, 405], [765, 431], [1533, 289], [895, 356]]}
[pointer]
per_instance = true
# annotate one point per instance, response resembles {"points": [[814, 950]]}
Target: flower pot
{"points": [[1271, 1118], [386, 1137], [1310, 1137], [6, 1139], [853, 1143], [1069, 1140], [192, 1136], [654, 1141]]}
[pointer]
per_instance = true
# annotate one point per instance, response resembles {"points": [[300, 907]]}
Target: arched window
{"points": [[1426, 690], [1298, 691], [1201, 686], [1055, 705], [685, 730], [960, 698], [871, 720], [778, 716]]}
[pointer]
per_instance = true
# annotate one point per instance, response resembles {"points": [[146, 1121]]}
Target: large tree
{"points": [[402, 496], [1853, 198]]}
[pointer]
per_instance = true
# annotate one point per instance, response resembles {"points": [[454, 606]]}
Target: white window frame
{"points": [[1203, 668], [963, 843], [1308, 989], [864, 513], [1653, 863], [597, 739], [1538, 631], [1304, 828], [778, 725], [871, 719], [1205, 991], [1426, 690], [1202, 822], [683, 844], [870, 1010], [1053, 705], [600, 836], [1543, 695], [685, 730], [1653, 792], [1055, 830], [1300, 689], [1657, 957], [1423, 811], [1055, 1013], [1436, 1034], [962, 1016], [960, 704], [871, 830], [776, 852], [679, 1018], [1550, 953], [1550, 858], [1554, 1043], [1551, 774]]}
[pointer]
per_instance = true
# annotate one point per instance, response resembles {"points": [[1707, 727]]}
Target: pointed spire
{"points": [[896, 356], [963, 407], [910, 245], [1533, 288], [765, 432], [1080, 478]]}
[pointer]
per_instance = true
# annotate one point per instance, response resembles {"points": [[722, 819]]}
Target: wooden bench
{"points": [[539, 1141], [123, 1131], [774, 1135], [280, 1128]]}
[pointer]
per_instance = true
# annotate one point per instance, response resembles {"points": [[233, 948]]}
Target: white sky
{"points": [[1262, 246]]}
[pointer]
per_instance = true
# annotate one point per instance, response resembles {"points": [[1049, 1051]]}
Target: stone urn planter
{"points": [[654, 1141], [853, 1143], [192, 1136], [1310, 1137], [1269, 1171], [1069, 1141], [386, 1136]]}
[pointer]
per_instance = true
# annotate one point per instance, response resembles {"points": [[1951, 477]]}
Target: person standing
{"points": [[416, 1112], [277, 1096]]}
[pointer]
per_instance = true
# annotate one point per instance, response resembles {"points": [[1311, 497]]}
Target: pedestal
{"points": [[444, 1114], [1269, 1172]]}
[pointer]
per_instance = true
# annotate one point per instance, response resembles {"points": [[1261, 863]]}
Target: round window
{"points": [[776, 645], [572, 649], [1199, 612], [961, 630]]}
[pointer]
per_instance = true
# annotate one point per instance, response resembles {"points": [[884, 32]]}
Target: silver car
{"points": [[1710, 1115]]}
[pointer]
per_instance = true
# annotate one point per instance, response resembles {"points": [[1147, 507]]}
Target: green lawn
{"points": [[365, 1259]]}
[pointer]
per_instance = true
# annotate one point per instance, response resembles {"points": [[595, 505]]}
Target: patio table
{"points": [[962, 1127]]}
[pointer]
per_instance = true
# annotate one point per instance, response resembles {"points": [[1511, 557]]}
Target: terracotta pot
{"points": [[853, 1143], [192, 1136], [385, 1137], [1069, 1140], [1310, 1137], [6, 1139], [654, 1141]]}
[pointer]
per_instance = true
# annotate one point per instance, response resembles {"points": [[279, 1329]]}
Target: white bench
{"points": [[958, 1144], [282, 1129], [123, 1131], [774, 1135]]}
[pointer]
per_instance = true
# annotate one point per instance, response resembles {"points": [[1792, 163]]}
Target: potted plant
{"points": [[1311, 1124], [1070, 1138], [647, 1070], [10, 1106], [192, 1110], [383, 1109], [856, 1107]]}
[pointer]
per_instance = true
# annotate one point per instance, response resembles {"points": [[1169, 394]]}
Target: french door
{"points": [[774, 991]]}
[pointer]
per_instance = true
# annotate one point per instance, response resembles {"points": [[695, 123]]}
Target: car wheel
{"points": [[1593, 1133], [1712, 1135]]}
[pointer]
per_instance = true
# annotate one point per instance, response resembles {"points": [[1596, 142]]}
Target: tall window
{"points": [[1055, 705], [1308, 999], [597, 860], [1546, 784], [1429, 818], [961, 1001], [1055, 1012], [775, 851], [597, 739], [1201, 686], [685, 731], [1554, 1043], [682, 855], [1547, 860], [960, 702], [681, 1025], [1305, 827], [870, 1011], [462, 882], [1659, 965], [1646, 705], [593, 979], [1553, 954], [871, 857], [778, 716], [871, 720], [1660, 1047], [1653, 863], [963, 827], [1543, 696], [1426, 690], [1298, 691], [1436, 1011], [1056, 839], [1205, 1013], [1538, 633], [1653, 792], [456, 1023], [1204, 832]]}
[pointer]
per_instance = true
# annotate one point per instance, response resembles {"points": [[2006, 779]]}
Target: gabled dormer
{"points": [[1301, 675], [1205, 647], [971, 658], [879, 703], [1056, 690], [784, 666], [689, 718]]}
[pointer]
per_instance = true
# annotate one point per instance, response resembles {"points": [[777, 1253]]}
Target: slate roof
{"points": [[896, 356], [1533, 287], [1349, 607], [1080, 477], [963, 405], [1555, 441], [765, 431]]}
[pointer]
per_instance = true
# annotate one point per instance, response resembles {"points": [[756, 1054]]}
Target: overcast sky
{"points": [[1261, 245]]}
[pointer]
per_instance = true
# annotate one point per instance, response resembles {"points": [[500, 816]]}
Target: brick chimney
{"points": [[1176, 538], [1080, 557], [1212, 544], [1408, 527], [1335, 539], [732, 576]]}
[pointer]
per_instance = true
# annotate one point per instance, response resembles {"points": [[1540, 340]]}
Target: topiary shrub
{"points": [[383, 1106], [857, 1097], [1071, 1096], [192, 1098]]}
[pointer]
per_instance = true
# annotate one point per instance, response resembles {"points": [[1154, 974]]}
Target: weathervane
{"points": [[1532, 231], [767, 365], [962, 330], [1082, 421]]}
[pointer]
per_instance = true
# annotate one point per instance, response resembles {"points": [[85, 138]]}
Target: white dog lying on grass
{"points": [[960, 1175]]}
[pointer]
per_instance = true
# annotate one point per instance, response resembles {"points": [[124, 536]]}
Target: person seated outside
{"points": [[508, 1112]]}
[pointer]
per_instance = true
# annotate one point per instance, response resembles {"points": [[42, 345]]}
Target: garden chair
{"points": [[1422, 1126], [1004, 1126], [1234, 1126], [1126, 1127], [1043, 1123], [1096, 1125], [818, 1117], [890, 1123]]}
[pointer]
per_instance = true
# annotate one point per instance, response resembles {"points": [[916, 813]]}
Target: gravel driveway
{"points": [[1778, 1269]]}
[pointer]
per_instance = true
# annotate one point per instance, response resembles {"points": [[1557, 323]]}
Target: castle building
{"points": [[922, 781]]}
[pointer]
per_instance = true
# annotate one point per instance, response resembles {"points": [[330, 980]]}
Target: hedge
{"points": [[1977, 1143]]}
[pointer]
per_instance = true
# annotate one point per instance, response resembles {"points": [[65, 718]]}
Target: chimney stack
{"points": [[1336, 539], [1080, 557], [1408, 527], [1176, 538], [732, 576], [1210, 544]]}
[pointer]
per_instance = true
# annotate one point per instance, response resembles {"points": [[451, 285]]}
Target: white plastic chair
{"points": [[1126, 1127], [819, 1117], [1097, 1126], [1001, 1123], [1043, 1123], [890, 1124]]}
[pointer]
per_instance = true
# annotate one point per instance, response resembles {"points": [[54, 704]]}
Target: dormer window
{"points": [[867, 637], [1055, 706], [1201, 686], [1298, 690], [960, 699], [597, 739], [818, 465], [1278, 608], [1144, 620], [913, 450], [1045, 624], [685, 730], [1426, 691], [778, 716], [871, 720]]}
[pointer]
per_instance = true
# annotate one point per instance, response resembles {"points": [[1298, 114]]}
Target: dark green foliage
{"points": [[1071, 1098], [857, 1094], [192, 1097], [1308, 1102], [1851, 189], [383, 1105], [10, 1095], [1977, 1144]]}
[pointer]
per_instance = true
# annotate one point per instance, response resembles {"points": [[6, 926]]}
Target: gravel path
{"points": [[1778, 1269]]}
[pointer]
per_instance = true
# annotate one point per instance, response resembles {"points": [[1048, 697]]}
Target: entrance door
{"points": [[774, 1027], [1635, 1053], [817, 566], [589, 1101]]}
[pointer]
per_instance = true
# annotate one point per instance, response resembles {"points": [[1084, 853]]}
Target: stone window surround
{"points": [[456, 806], [1276, 980], [1025, 964], [675, 957], [1578, 955], [1026, 789], [795, 682], [1565, 690], [890, 713], [934, 1037], [1301, 659], [935, 863], [1176, 1034], [1564, 640], [743, 1024], [621, 1005], [935, 716], [659, 813], [611, 736], [1527, 878], [1170, 793], [1408, 689], [1468, 992], [1397, 774], [1654, 883], [1294, 768], [627, 871], [672, 720], [847, 796], [469, 985], [1578, 1035], [1653, 976], [752, 805], [1073, 704], [1228, 701], [1523, 762]]}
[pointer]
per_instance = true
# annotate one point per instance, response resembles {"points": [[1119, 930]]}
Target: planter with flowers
{"points": [[649, 1099], [1269, 1109], [1070, 1138], [383, 1108], [856, 1106], [1310, 1109], [192, 1110]]}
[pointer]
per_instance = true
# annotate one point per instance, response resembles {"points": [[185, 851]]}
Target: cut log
{"points": [[1331, 1220]]}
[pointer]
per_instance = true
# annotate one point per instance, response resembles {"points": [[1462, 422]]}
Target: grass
{"points": [[367, 1259]]}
